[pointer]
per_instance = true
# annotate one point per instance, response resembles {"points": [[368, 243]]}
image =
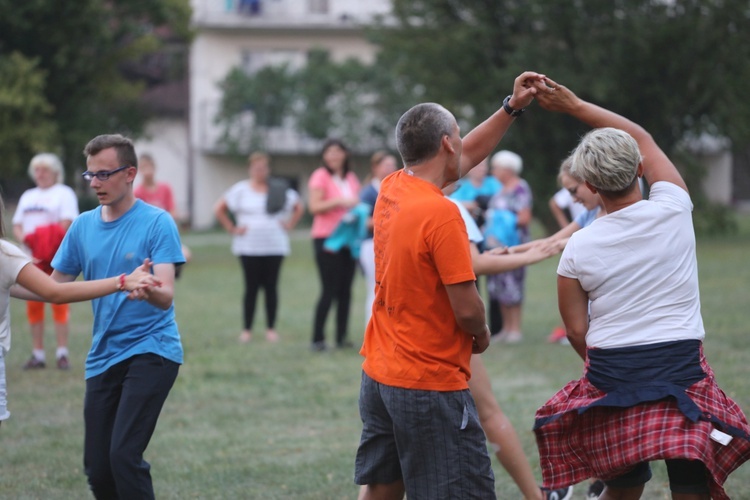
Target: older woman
{"points": [[43, 215], [508, 219], [260, 238], [333, 189], [628, 295]]}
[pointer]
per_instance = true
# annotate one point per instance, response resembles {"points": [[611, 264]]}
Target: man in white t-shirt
{"points": [[43, 215]]}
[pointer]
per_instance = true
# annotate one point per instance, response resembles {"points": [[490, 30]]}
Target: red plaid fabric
{"points": [[607, 442]]}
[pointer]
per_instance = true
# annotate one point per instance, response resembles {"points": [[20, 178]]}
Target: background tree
{"points": [[85, 54], [675, 67], [26, 125]]}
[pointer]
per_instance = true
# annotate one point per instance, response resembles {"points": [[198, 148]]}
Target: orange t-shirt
{"points": [[421, 245]]}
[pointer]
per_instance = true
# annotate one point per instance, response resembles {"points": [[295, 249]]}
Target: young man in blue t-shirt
{"points": [[135, 351]]}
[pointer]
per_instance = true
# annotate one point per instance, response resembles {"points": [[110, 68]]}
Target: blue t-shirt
{"points": [[466, 191], [123, 328], [586, 218]]}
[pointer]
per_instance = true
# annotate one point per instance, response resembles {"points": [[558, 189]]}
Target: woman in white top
{"points": [[628, 295], [15, 269], [264, 211], [48, 208]]}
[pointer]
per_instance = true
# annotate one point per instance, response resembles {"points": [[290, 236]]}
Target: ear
{"points": [[639, 170], [590, 187], [132, 172], [446, 143]]}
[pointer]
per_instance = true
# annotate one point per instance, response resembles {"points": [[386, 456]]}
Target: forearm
{"points": [[225, 221], [493, 264], [161, 297], [481, 141]]}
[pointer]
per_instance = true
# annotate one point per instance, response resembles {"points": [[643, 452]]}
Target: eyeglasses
{"points": [[102, 175], [574, 190]]}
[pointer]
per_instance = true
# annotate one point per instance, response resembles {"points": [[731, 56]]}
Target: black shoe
{"points": [[319, 346], [595, 489], [63, 363], [345, 344], [561, 494], [34, 364]]}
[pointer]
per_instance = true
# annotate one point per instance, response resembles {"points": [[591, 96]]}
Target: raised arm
{"points": [[656, 165], [480, 142]]}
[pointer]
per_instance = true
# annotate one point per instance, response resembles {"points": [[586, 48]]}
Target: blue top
{"points": [[586, 218], [466, 191], [123, 328]]}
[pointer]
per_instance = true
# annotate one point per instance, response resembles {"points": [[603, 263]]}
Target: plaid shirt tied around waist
{"points": [[638, 404]]}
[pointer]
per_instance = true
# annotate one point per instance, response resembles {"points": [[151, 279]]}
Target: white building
{"points": [[249, 34]]}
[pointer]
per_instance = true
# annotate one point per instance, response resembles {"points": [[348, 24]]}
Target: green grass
{"points": [[278, 421]]}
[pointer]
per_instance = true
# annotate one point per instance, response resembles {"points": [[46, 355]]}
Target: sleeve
{"points": [[165, 241], [566, 268], [668, 194], [472, 230], [68, 204], [20, 208], [449, 246], [291, 199], [67, 259], [319, 179], [562, 198], [168, 198], [232, 198], [13, 260], [586, 218]]}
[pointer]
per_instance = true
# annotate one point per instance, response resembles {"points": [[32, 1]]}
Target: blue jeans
{"points": [[120, 412]]}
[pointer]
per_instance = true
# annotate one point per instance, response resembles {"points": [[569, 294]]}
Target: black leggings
{"points": [[336, 271], [261, 271]]}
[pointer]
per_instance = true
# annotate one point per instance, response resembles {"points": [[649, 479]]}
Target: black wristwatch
{"points": [[512, 112]]}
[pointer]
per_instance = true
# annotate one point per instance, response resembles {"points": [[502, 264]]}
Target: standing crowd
{"points": [[627, 295]]}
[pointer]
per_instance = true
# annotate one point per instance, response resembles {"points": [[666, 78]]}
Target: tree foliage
{"points": [[85, 53], [675, 67], [25, 114]]}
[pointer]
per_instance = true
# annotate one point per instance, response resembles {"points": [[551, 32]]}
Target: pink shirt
{"points": [[160, 196], [323, 224]]}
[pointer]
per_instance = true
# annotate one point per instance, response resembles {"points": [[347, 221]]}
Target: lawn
{"points": [[267, 421]]}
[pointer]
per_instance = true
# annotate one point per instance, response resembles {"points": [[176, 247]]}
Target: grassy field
{"points": [[273, 421]]}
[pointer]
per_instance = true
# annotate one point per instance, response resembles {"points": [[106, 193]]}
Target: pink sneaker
{"points": [[558, 335]]}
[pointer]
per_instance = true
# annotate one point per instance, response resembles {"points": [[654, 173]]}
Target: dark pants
{"points": [[336, 271], [261, 271], [120, 412]]}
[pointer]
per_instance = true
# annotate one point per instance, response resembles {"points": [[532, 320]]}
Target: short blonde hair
{"points": [[608, 159], [51, 162], [507, 159], [257, 155]]}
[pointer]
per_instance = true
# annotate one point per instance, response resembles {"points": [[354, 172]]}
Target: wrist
{"points": [[514, 109], [121, 282]]}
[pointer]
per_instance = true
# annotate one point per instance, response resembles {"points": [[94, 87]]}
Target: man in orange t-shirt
{"points": [[421, 434]]}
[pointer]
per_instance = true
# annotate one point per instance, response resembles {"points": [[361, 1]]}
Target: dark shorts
{"points": [[431, 440], [685, 476]]}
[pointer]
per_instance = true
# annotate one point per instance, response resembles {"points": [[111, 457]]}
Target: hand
{"points": [[501, 250], [481, 342], [239, 230], [140, 280], [525, 87], [538, 253], [560, 99], [348, 202]]}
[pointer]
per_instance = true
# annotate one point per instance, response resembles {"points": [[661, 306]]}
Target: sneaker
{"points": [[272, 336], [345, 344], [595, 489], [34, 364], [245, 337], [318, 346], [558, 335], [63, 363], [561, 494], [509, 338]]}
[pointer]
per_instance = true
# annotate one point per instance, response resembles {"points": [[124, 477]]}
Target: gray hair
{"points": [[507, 159], [420, 130], [49, 161], [607, 158], [122, 145]]}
